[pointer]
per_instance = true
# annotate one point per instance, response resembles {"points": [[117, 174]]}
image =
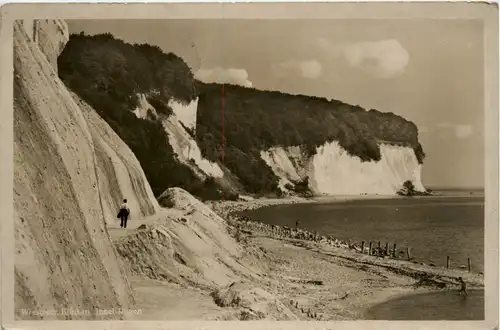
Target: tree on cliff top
{"points": [[256, 120], [108, 73]]}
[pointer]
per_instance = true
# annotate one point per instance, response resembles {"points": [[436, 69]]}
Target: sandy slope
{"points": [[189, 244], [188, 252]]}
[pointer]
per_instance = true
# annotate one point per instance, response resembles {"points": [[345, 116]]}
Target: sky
{"points": [[427, 71]]}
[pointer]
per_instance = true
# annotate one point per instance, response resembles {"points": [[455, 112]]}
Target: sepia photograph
{"points": [[251, 169]]}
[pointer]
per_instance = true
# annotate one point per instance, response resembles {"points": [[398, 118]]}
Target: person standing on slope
{"points": [[123, 214]]}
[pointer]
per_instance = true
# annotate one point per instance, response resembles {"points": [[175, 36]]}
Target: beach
{"points": [[352, 282]]}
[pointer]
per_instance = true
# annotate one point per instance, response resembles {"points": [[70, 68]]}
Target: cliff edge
{"points": [[67, 162], [71, 172], [267, 143]]}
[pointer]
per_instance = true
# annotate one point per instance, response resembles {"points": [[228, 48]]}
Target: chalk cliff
{"points": [[70, 172], [50, 35], [332, 171], [324, 146], [266, 142], [177, 126]]}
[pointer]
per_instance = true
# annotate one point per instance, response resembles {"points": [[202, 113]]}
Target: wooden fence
{"points": [[378, 251]]}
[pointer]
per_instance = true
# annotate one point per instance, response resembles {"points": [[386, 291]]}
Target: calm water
{"points": [[433, 227], [445, 305]]}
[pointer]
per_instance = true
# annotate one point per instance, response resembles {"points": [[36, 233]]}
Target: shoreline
{"points": [[247, 203], [400, 278], [229, 210], [308, 277], [427, 278]]}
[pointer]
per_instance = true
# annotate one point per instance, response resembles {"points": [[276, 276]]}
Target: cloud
{"points": [[310, 69], [460, 131], [224, 76], [383, 59], [463, 131], [423, 129]]}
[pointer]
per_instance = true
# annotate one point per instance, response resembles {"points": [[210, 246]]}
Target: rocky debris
{"points": [[228, 208], [310, 313], [285, 232], [252, 302], [428, 280]]}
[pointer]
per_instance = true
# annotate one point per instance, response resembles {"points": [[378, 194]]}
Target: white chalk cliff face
{"points": [[120, 173], [143, 107], [50, 35], [287, 164], [70, 172], [183, 144], [185, 113], [332, 171]]}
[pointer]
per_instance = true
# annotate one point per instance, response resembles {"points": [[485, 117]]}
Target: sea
{"points": [[450, 224]]}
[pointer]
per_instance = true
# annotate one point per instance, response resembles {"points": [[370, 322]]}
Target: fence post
{"points": [[447, 262], [394, 251], [408, 252], [363, 247], [386, 248], [468, 264], [370, 252]]}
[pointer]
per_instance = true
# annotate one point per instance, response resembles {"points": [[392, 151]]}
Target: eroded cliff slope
{"points": [[66, 160], [71, 172]]}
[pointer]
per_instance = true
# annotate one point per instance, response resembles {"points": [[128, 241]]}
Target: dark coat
{"points": [[121, 213]]}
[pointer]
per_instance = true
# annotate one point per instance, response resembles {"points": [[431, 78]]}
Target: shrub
{"points": [[108, 73]]}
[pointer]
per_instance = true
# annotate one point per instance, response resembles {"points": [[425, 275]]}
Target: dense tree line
{"points": [[256, 120], [109, 73]]}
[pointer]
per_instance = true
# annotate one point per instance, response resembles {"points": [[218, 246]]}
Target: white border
{"points": [[244, 10]]}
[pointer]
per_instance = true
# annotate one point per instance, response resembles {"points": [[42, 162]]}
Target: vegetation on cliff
{"points": [[256, 120], [108, 73], [408, 189]]}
